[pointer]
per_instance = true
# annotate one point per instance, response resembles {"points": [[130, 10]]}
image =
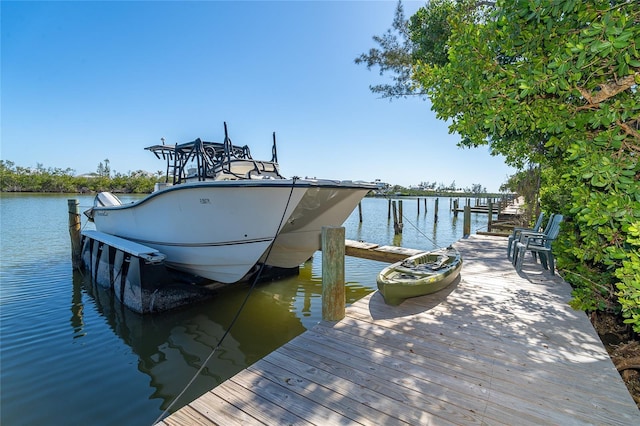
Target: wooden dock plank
{"points": [[261, 410], [357, 380], [461, 401], [496, 347], [371, 251], [296, 397], [459, 355], [386, 377], [335, 393], [187, 416]]}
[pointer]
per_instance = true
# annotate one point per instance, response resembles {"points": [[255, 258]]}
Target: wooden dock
{"points": [[496, 347], [371, 251]]}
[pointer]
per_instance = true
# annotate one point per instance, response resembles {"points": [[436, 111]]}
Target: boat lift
{"points": [[136, 274]]}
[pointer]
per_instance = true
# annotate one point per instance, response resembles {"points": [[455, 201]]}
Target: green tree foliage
{"points": [[393, 56], [552, 84], [20, 179], [104, 169]]}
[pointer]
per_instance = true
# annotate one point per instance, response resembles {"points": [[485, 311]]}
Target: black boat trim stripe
{"points": [[249, 183], [221, 244]]}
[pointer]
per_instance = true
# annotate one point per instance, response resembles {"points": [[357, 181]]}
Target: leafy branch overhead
{"points": [[394, 55], [546, 82]]}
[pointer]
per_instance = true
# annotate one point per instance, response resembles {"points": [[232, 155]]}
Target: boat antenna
{"points": [[227, 146], [274, 150]]}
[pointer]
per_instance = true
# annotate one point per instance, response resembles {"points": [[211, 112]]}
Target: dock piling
{"points": [[466, 227], [74, 233], [333, 289], [435, 212], [490, 214], [397, 222]]}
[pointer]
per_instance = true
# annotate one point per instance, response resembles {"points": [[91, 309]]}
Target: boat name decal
{"points": [[205, 201]]}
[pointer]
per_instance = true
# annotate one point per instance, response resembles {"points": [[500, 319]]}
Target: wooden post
{"points": [[389, 211], [418, 200], [333, 289], [489, 214], [397, 225], [74, 232], [360, 211], [466, 227], [435, 212], [425, 206], [455, 207], [395, 214], [400, 215]]}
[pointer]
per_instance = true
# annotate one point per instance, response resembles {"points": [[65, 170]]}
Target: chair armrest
{"points": [[537, 242], [517, 230], [525, 235]]}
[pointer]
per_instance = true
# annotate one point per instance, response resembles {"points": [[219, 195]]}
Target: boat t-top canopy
{"points": [[203, 160]]}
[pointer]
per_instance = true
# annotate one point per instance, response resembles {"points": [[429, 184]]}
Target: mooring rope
{"points": [[418, 229], [237, 315], [435, 245]]}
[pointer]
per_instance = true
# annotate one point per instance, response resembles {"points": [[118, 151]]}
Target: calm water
{"points": [[71, 354]]}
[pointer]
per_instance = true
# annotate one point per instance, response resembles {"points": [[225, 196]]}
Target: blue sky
{"points": [[88, 81]]}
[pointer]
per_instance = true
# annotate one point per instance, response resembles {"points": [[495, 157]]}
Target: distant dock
{"points": [[496, 347]]}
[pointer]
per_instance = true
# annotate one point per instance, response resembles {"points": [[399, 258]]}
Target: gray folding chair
{"points": [[538, 243], [515, 235]]}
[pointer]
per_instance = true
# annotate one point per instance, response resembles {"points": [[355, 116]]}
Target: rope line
{"points": [[418, 229], [435, 245], [237, 315]]}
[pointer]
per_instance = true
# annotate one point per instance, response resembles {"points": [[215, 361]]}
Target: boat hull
{"points": [[326, 203], [217, 230], [418, 275]]}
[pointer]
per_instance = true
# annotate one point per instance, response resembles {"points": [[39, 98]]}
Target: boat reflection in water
{"points": [[172, 346]]}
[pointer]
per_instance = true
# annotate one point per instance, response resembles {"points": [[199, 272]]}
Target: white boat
{"points": [[219, 210], [326, 203]]}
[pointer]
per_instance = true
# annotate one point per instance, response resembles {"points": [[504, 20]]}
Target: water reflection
{"points": [[172, 346], [77, 306]]}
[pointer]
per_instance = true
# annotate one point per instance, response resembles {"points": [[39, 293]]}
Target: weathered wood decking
{"points": [[496, 347]]}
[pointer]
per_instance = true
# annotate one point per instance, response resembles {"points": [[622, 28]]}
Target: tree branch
{"points": [[631, 363], [629, 131], [609, 90]]}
